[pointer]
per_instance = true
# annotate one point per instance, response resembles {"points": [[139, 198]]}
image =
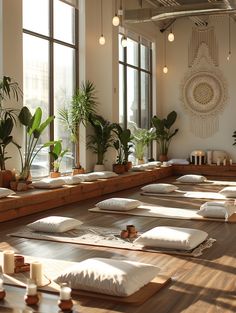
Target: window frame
{"points": [[51, 41]]}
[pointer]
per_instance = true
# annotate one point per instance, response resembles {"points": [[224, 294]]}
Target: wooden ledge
{"points": [[36, 200], [211, 170]]}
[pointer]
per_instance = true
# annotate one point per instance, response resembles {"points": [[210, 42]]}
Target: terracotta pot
{"points": [[55, 174], [78, 171], [118, 168], [128, 166], [5, 177], [163, 157], [140, 161]]}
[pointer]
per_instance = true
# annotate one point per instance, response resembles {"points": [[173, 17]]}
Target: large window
{"points": [[135, 81], [50, 69]]}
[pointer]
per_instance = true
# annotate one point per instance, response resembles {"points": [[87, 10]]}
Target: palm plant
{"points": [[102, 139], [82, 106]]}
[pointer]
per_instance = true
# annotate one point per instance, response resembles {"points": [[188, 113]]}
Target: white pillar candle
{"points": [[200, 158], [36, 272], [230, 161], [65, 293], [209, 157], [1, 284], [195, 161], [8, 262], [224, 162], [218, 161], [31, 289]]}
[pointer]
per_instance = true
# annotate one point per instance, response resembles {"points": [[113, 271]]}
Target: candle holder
{"points": [[65, 302], [31, 297]]}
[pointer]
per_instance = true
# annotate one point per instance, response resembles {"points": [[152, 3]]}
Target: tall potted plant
{"points": [[8, 89], [82, 106], [164, 133], [101, 140]]}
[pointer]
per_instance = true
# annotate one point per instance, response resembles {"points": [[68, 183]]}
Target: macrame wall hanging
{"points": [[203, 89]]}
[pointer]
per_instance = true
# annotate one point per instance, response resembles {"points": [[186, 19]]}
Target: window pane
{"points": [[132, 95], [121, 94], [145, 87], [36, 16], [64, 30], [132, 52], [145, 60], [64, 85], [36, 91], [121, 49]]}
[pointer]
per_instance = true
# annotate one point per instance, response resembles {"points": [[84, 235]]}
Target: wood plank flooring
{"points": [[204, 284]]}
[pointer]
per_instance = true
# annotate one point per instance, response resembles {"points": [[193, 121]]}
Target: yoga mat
{"points": [[201, 195], [105, 237], [52, 268]]}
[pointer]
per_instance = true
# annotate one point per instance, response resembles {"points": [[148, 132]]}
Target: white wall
{"points": [[177, 57]]}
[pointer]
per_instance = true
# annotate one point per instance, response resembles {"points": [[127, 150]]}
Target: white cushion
{"points": [[109, 276], [191, 178], [72, 180], [49, 183], [118, 204], [57, 224], [178, 161], [159, 188], [4, 192], [172, 238], [88, 177], [106, 174], [229, 191], [217, 209]]}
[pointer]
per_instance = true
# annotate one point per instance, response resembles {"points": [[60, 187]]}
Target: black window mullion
{"points": [[139, 85], [125, 87]]}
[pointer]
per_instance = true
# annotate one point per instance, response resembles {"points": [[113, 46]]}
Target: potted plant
{"points": [[142, 137], [34, 128], [119, 166], [101, 139], [164, 133], [57, 155], [125, 138], [8, 89], [82, 106]]}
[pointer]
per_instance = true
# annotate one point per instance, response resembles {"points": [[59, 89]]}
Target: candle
{"points": [[65, 293], [31, 289], [224, 162], [1, 285], [218, 161], [209, 157], [230, 161], [8, 262], [36, 272], [195, 161]]}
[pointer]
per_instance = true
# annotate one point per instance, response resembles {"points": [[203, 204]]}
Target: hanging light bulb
{"points": [[124, 41], [165, 69], [171, 36], [116, 20], [102, 40]]}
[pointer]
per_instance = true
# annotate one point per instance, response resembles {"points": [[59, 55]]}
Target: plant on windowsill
{"points": [[8, 90], [119, 166], [57, 155], [164, 134], [82, 106], [142, 137], [34, 128], [101, 140]]}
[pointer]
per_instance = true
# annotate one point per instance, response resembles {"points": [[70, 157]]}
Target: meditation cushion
{"points": [[159, 188], [168, 237], [57, 224], [106, 174], [217, 209], [108, 276], [72, 180], [49, 183], [5, 192], [191, 178], [229, 191], [118, 204]]}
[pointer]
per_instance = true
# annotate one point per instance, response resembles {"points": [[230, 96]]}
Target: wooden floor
{"points": [[204, 284]]}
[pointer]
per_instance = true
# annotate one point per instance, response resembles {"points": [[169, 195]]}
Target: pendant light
{"points": [[102, 39], [124, 41], [165, 68], [171, 36], [229, 33], [116, 19]]}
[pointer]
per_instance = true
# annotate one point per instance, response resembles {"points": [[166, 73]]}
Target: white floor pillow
{"points": [[49, 183], [217, 209], [5, 192], [168, 237], [191, 178], [88, 177], [72, 180], [106, 174], [57, 224], [229, 191], [109, 276], [118, 204], [159, 188]]}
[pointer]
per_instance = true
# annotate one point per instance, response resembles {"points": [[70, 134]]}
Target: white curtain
{"points": [[74, 3]]}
